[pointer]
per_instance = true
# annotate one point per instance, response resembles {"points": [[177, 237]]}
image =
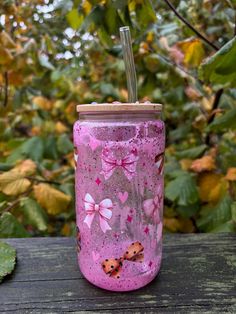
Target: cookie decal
{"points": [[159, 163], [113, 266], [78, 239]]}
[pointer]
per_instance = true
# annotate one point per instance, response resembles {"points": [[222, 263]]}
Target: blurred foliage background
{"points": [[56, 54]]}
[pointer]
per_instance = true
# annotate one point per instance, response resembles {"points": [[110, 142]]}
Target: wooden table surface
{"points": [[197, 275]]}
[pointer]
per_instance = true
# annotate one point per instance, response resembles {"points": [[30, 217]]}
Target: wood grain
{"points": [[197, 275], [119, 107]]}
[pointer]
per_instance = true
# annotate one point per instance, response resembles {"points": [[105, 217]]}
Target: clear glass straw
{"points": [[129, 64]]}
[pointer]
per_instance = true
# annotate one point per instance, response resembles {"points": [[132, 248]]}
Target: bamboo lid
{"points": [[119, 107]]}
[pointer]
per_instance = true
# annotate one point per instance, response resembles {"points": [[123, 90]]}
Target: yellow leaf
{"points": [[86, 5], [5, 56], [42, 102], [186, 225], [211, 187], [59, 104], [207, 103], [60, 128], [179, 225], [193, 51], [172, 224], [231, 174], [200, 122], [66, 230], [15, 78], [124, 93], [36, 130], [150, 37], [186, 163], [206, 163], [54, 201], [13, 183], [71, 159], [26, 167], [6, 40]]}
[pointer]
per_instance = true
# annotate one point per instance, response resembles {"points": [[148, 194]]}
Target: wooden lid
{"points": [[119, 107]]}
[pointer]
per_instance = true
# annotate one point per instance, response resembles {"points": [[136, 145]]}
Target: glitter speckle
{"points": [[129, 218], [98, 181]]}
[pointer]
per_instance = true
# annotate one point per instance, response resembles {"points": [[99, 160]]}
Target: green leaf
{"points": [[5, 166], [10, 227], [220, 68], [104, 37], [64, 144], [7, 259], [96, 17], [69, 189], [112, 19], [33, 148], [233, 211], [50, 147], [74, 18], [171, 165], [120, 4], [191, 152], [108, 89], [229, 226], [154, 63], [188, 211], [180, 132], [15, 155], [182, 190], [167, 29], [44, 62], [226, 121], [33, 214], [214, 217], [145, 13]]}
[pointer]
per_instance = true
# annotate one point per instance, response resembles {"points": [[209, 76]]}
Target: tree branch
{"points": [[213, 46], [17, 201], [43, 181], [170, 5], [235, 22], [215, 105], [5, 89], [170, 62]]}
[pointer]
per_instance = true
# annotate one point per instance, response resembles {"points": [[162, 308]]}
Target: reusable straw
{"points": [[129, 63]]}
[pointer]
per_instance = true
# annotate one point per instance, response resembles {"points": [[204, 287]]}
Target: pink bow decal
{"points": [[103, 209], [127, 164], [152, 208]]}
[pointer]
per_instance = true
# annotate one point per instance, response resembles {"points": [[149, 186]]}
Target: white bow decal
{"points": [[103, 209]]}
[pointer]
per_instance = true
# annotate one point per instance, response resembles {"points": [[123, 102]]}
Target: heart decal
{"points": [[123, 196], [94, 143], [95, 256]]}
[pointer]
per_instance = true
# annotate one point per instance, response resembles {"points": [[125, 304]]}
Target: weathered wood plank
{"points": [[197, 275]]}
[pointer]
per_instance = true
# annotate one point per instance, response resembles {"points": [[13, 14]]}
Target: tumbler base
{"points": [[123, 284]]}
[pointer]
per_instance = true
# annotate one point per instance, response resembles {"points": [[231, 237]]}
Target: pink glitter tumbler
{"points": [[119, 153]]}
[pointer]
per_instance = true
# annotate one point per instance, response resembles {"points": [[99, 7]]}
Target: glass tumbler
{"points": [[119, 154]]}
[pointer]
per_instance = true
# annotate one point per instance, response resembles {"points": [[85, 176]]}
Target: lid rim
{"points": [[107, 107]]}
